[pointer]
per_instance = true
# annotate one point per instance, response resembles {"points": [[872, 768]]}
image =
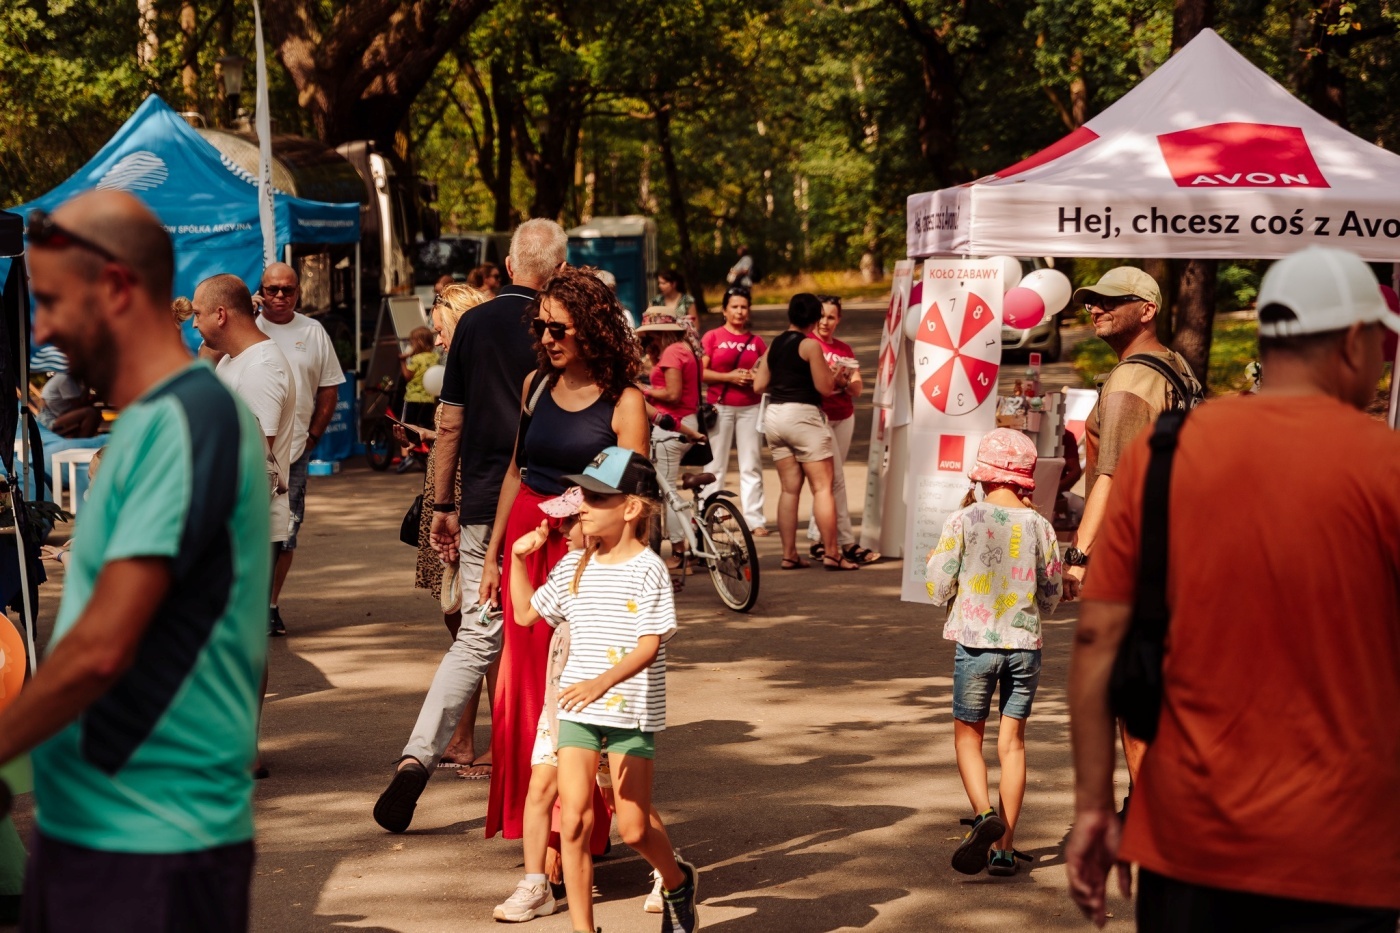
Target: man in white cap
{"points": [[1267, 800]]}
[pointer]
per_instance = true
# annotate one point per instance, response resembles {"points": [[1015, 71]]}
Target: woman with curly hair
{"points": [[580, 401]]}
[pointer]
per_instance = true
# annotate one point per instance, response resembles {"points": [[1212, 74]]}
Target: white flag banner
{"points": [[262, 121], [957, 358]]}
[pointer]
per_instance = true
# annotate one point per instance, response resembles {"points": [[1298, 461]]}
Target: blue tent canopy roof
{"points": [[209, 209]]}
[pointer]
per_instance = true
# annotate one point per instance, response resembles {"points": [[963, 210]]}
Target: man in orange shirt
{"points": [[1267, 800]]}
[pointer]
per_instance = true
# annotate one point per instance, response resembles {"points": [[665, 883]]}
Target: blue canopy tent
{"points": [[208, 205]]}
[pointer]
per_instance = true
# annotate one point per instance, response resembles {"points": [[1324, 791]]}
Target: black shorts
{"points": [[419, 413], [71, 889], [1165, 905]]}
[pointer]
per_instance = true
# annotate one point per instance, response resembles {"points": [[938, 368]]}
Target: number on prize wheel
{"points": [[964, 366]]}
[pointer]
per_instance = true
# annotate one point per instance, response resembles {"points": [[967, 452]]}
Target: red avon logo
{"points": [[1241, 155], [950, 452]]}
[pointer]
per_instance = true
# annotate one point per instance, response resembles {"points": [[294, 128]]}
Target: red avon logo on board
{"points": [[1241, 155], [950, 452]]}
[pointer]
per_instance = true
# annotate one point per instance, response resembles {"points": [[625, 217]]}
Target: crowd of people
{"points": [[539, 489]]}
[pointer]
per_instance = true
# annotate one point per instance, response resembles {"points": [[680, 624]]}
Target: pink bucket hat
{"points": [[1005, 456]]}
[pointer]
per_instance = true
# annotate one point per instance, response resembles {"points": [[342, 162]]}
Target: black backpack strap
{"points": [[539, 384], [1150, 610], [1166, 371]]}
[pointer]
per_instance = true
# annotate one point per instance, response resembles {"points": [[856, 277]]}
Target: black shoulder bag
{"points": [[706, 417], [1135, 687]]}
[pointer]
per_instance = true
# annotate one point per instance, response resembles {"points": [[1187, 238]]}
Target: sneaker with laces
{"points": [[526, 902], [654, 903], [971, 856], [681, 911]]}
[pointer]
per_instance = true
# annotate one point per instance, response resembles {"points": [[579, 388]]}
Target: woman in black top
{"points": [[796, 376]]}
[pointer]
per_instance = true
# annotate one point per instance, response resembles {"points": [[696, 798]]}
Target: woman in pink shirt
{"points": [[840, 412], [730, 354], [674, 391]]}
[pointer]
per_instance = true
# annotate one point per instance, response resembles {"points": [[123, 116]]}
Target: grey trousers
{"points": [[465, 663]]}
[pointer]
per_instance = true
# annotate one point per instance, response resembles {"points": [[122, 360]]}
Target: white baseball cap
{"points": [[1326, 289]]}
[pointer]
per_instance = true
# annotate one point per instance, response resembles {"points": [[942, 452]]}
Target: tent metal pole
{"points": [[359, 314], [17, 492], [287, 254]]}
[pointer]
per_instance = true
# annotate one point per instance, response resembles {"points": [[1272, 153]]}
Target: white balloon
{"points": [[432, 380], [1010, 272], [1052, 286], [913, 317]]}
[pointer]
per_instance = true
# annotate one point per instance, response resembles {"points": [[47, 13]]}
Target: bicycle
{"points": [[715, 534]]}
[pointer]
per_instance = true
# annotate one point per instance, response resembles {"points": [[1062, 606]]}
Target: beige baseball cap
{"points": [[1120, 282], [1326, 289]]}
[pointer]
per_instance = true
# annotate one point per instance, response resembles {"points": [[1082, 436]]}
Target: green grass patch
{"points": [[848, 286], [1233, 346]]}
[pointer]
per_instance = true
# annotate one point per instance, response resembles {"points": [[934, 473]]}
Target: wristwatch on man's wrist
{"points": [[445, 507], [312, 440], [1076, 558]]}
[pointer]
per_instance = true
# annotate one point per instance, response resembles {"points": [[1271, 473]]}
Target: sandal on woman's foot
{"points": [[760, 532], [818, 551], [860, 555], [832, 563], [970, 857], [794, 563], [1002, 862]]}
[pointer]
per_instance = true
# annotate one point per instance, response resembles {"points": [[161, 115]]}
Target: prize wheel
{"points": [[963, 349]]}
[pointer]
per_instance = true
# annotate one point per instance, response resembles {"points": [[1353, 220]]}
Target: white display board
{"points": [[957, 358], [882, 525]]}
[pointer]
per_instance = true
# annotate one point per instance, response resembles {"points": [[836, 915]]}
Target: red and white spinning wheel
{"points": [[964, 368]]}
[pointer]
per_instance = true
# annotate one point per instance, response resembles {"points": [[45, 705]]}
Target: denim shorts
{"points": [[978, 671], [296, 496]]}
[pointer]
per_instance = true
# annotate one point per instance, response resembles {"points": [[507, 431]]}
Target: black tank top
{"points": [[560, 442], [791, 375]]}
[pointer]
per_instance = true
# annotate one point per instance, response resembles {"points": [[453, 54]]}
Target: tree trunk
{"points": [[938, 111], [189, 73], [1193, 312], [689, 264], [1321, 81], [357, 71], [503, 102]]}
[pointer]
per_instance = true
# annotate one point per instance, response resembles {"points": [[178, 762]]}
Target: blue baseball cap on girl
{"points": [[618, 471]]}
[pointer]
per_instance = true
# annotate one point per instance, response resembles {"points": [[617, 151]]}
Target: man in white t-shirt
{"points": [[255, 370], [317, 374]]}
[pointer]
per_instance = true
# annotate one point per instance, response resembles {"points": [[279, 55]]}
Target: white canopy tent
{"points": [[1207, 158]]}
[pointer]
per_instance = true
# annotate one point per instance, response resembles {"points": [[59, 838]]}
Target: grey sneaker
{"points": [[681, 912], [527, 902]]}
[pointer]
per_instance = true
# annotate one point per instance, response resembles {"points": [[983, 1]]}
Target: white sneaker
{"points": [[527, 902], [654, 904]]}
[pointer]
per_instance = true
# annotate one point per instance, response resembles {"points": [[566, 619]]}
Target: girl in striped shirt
{"points": [[616, 596]]}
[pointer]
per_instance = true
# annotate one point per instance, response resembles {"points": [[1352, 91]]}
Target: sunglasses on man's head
{"points": [[276, 291], [44, 231], [1110, 304], [556, 330]]}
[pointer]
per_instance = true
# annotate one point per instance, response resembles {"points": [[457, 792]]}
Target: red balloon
{"points": [[12, 663], [1392, 301], [1022, 308]]}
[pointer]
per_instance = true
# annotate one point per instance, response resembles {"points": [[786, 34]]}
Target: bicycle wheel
{"points": [[379, 445], [734, 568]]}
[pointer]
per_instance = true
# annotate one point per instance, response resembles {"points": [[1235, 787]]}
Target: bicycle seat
{"points": [[696, 480]]}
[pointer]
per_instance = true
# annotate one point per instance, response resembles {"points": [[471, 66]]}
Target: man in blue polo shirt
{"points": [[143, 715]]}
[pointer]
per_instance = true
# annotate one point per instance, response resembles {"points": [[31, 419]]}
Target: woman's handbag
{"points": [[412, 521], [706, 417]]}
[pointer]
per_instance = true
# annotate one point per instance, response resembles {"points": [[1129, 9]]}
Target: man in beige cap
{"points": [[1148, 380]]}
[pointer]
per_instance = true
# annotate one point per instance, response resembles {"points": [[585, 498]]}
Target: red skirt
{"points": [[519, 697]]}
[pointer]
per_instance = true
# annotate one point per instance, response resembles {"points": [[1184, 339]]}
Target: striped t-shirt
{"points": [[616, 604]]}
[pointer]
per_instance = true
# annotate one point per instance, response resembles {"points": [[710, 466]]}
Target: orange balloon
{"points": [[12, 663]]}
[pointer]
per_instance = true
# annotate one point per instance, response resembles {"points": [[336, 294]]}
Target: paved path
{"points": [[808, 769]]}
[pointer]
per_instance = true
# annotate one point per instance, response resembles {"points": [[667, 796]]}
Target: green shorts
{"points": [[620, 741]]}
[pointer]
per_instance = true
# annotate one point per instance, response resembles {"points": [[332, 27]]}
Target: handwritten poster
{"points": [[956, 354]]}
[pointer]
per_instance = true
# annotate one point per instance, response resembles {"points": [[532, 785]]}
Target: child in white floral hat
{"points": [[997, 567]]}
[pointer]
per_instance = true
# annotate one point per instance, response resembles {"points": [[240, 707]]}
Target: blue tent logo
{"points": [[140, 171]]}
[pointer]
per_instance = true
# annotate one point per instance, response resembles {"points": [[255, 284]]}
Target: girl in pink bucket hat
{"points": [[997, 568]]}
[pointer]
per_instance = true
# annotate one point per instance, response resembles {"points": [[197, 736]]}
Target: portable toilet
{"points": [[626, 247]]}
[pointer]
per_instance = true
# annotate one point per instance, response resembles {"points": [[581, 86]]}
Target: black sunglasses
{"points": [[556, 330], [1111, 304], [739, 292], [278, 290], [43, 230]]}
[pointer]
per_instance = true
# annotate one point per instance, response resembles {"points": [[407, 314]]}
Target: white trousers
{"points": [[738, 427], [841, 433], [668, 464]]}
